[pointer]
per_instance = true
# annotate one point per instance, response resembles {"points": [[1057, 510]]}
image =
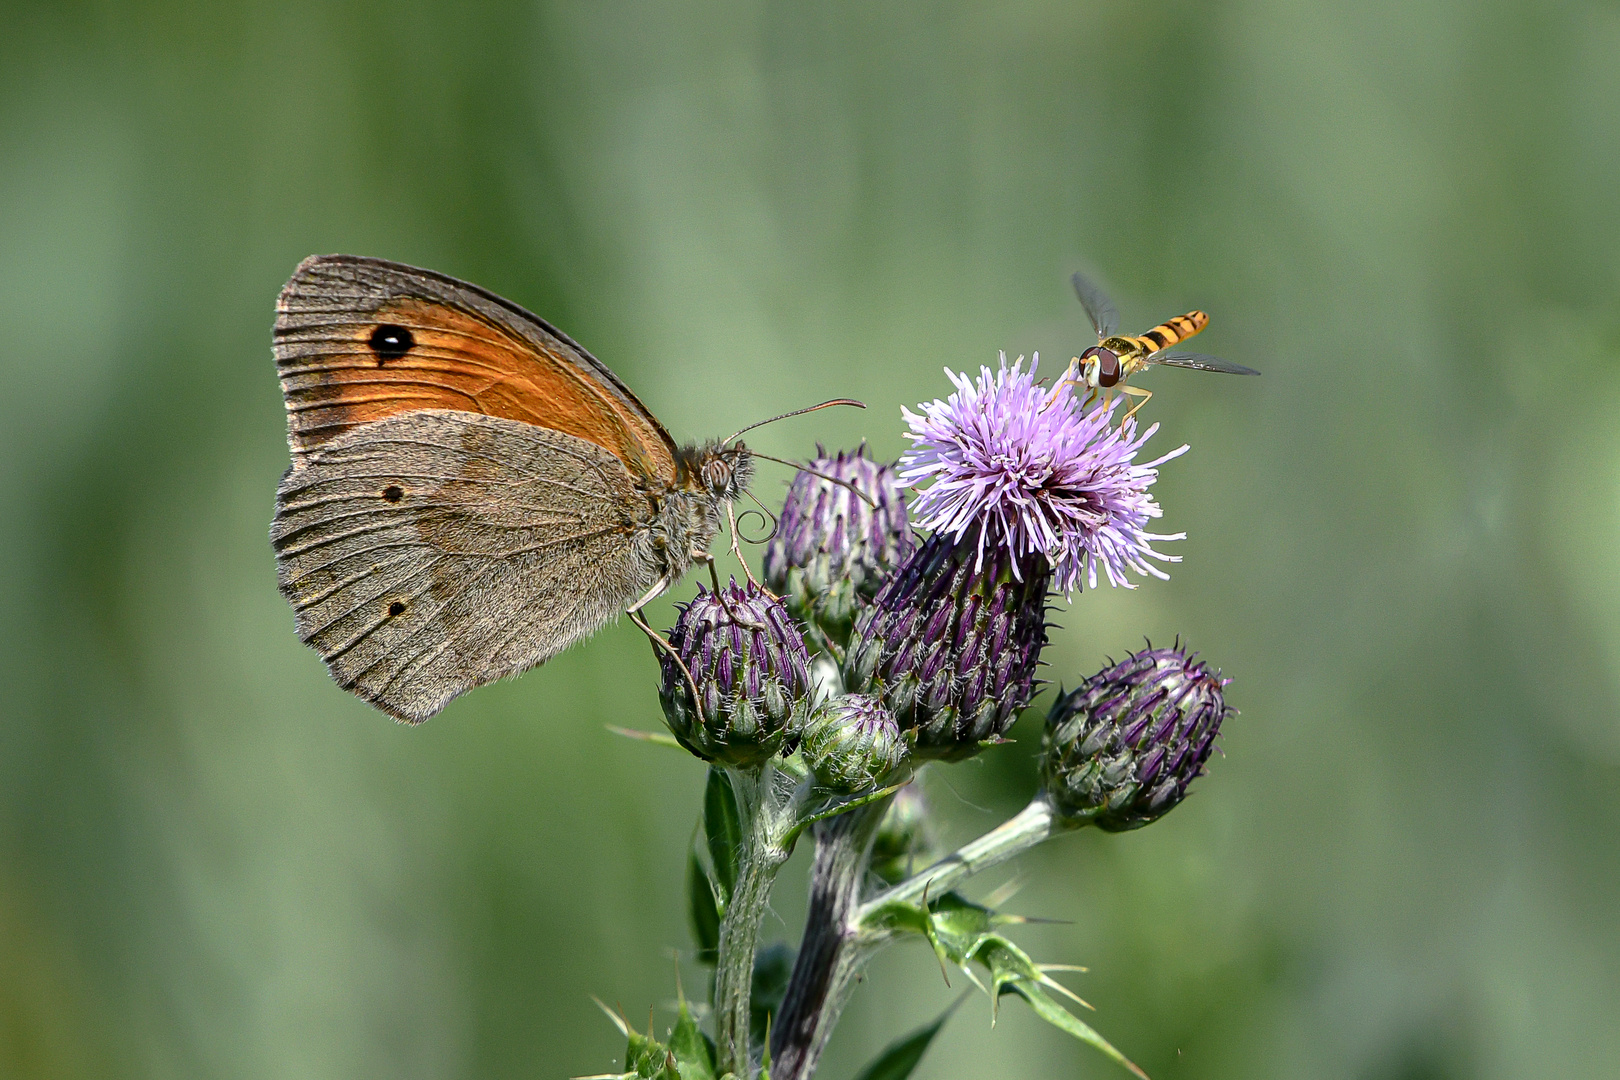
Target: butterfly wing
{"points": [[434, 551], [358, 340], [1200, 362]]}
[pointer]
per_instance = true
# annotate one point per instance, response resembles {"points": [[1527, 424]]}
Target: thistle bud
{"points": [[905, 840], [951, 643], [852, 743], [833, 550], [1121, 750], [750, 667]]}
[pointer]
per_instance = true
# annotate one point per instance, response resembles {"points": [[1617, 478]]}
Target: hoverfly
{"points": [[1107, 365]]}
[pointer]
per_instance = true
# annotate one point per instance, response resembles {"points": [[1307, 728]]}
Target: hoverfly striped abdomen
{"points": [[1176, 330]]}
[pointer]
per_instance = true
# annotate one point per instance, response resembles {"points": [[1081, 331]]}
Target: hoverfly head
{"points": [[1100, 366]]}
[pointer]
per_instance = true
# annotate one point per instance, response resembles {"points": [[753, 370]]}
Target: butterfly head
{"points": [[723, 471]]}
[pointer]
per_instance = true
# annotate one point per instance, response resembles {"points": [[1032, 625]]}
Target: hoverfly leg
{"points": [[1070, 375], [1135, 392]]}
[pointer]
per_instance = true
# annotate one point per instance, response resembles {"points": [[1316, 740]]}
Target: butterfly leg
{"points": [[739, 617], [704, 558], [736, 551], [661, 642], [649, 596], [1135, 392]]}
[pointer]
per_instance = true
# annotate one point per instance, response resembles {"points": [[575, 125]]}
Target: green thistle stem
{"points": [[762, 855], [1030, 826], [837, 946]]}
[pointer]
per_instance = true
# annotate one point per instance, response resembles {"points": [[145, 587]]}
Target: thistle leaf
{"points": [[694, 1057], [1013, 972], [646, 1058], [657, 738], [704, 909], [960, 924], [963, 933], [722, 825], [896, 917], [773, 966], [901, 1056], [1063, 1020]]}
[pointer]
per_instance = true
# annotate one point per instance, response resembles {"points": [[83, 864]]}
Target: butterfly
{"points": [[471, 492]]}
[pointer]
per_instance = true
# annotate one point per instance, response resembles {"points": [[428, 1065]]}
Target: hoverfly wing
{"points": [[1200, 362], [1100, 309]]}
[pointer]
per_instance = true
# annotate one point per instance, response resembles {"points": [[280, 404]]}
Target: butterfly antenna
{"points": [[798, 412], [817, 472]]}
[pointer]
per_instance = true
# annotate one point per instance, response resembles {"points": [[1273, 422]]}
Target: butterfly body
{"points": [[471, 492]]}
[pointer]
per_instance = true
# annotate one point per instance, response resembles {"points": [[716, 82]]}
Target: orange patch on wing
{"points": [[455, 360]]}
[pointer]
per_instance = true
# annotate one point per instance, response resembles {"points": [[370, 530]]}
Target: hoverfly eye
{"points": [[1088, 364], [1107, 367]]}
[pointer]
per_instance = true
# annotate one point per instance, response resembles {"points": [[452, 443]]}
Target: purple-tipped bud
{"points": [[853, 744], [752, 674], [905, 841], [951, 646], [1120, 751], [833, 550]]}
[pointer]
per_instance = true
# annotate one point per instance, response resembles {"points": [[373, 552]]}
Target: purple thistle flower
{"points": [[833, 550], [852, 743], [750, 669], [1120, 751], [951, 650], [1040, 476]]}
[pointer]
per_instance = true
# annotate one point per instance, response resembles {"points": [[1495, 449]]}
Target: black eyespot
{"points": [[393, 493], [391, 342], [396, 608]]}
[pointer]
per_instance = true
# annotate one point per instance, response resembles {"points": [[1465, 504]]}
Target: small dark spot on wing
{"points": [[393, 493], [396, 608], [390, 342]]}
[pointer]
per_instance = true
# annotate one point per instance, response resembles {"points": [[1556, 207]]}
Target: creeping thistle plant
{"points": [[871, 652]]}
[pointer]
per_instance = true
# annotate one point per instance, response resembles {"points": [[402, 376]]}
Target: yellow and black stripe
{"points": [[1169, 333]]}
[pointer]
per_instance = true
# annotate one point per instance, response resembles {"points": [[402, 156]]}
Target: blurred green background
{"points": [[215, 864]]}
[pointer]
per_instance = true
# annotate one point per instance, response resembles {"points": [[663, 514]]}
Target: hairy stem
{"points": [[817, 991], [761, 857]]}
